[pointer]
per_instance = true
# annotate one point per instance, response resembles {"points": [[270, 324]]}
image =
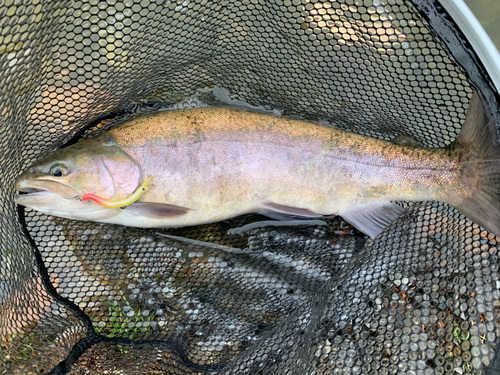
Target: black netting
{"points": [[85, 298]]}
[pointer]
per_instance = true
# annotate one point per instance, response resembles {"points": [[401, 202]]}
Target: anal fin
{"points": [[373, 218]]}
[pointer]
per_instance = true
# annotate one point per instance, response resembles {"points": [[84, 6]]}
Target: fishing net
{"points": [[89, 298]]}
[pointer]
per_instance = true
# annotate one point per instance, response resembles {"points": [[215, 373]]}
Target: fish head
{"points": [[55, 184]]}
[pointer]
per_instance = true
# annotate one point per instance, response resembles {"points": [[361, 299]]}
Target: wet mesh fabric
{"points": [[90, 298]]}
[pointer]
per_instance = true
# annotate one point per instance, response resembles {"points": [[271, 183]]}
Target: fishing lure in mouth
{"points": [[119, 204]]}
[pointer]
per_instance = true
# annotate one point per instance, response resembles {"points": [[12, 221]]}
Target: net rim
{"points": [[477, 37]]}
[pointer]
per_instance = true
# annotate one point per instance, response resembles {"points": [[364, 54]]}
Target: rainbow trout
{"points": [[211, 164]]}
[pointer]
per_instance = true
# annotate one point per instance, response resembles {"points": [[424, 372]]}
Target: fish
{"points": [[211, 164]]}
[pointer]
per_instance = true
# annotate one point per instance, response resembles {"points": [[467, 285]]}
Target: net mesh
{"points": [[81, 297]]}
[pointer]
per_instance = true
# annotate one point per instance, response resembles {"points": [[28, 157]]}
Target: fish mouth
{"points": [[30, 193], [39, 188], [51, 203], [30, 190]]}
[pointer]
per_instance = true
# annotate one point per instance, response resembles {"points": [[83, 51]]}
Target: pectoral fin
{"points": [[282, 210], [373, 218], [156, 210]]}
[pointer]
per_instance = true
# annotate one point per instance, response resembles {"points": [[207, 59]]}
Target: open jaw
{"points": [[29, 190], [45, 188], [36, 198], [31, 195]]}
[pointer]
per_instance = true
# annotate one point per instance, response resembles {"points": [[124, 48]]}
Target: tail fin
{"points": [[479, 150]]}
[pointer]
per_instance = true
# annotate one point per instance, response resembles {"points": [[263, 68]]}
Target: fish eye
{"points": [[57, 171]]}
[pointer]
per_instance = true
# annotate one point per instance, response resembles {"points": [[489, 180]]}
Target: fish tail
{"points": [[479, 153]]}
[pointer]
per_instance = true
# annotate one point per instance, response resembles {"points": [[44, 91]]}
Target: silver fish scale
{"points": [[422, 298]]}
